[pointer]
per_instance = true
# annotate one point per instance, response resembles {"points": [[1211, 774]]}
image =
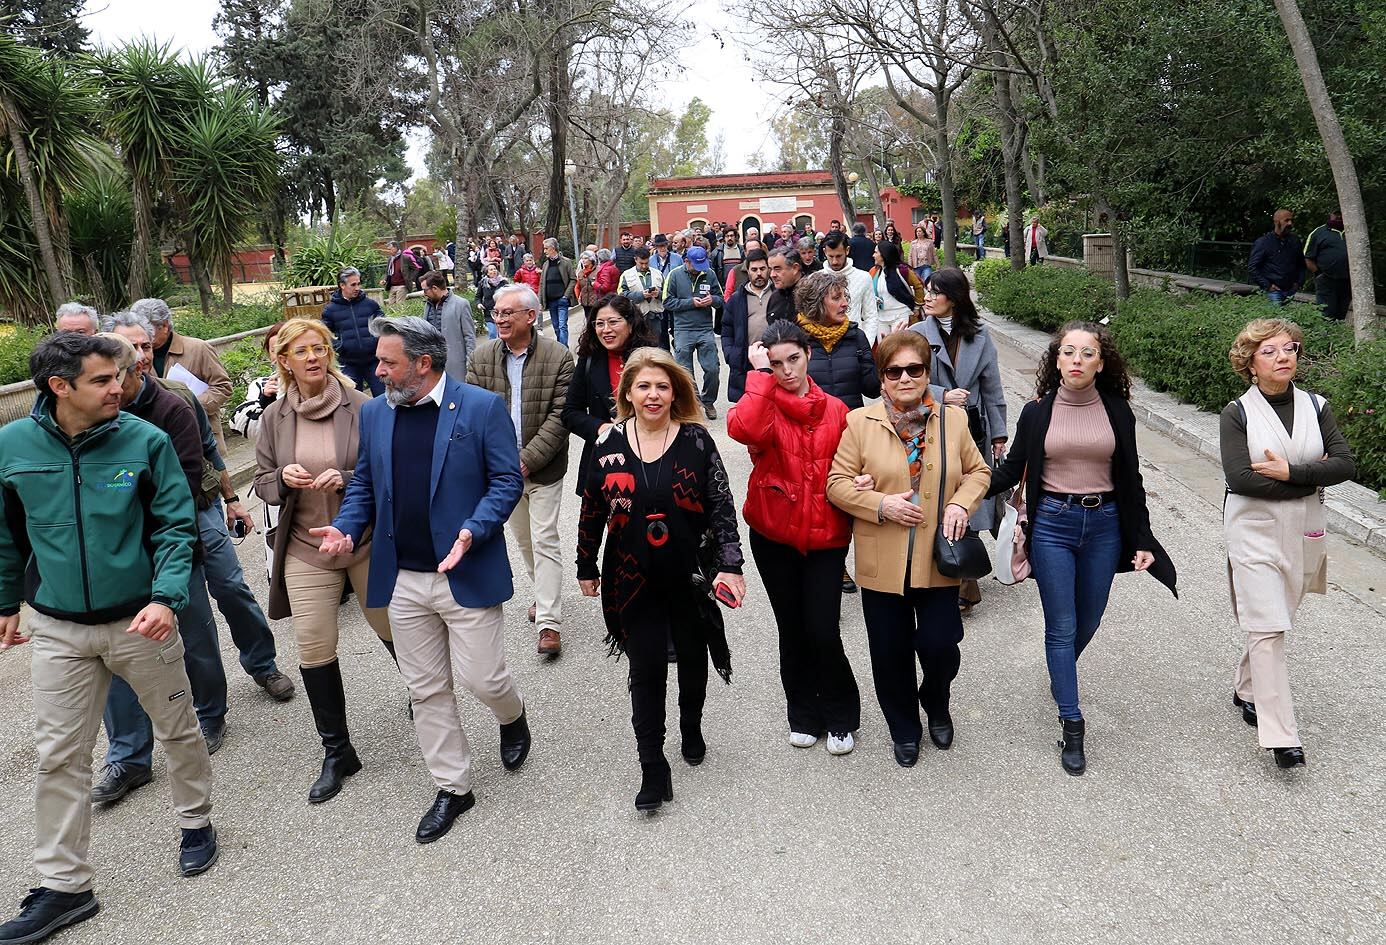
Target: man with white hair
{"points": [[177, 355], [532, 374], [77, 318]]}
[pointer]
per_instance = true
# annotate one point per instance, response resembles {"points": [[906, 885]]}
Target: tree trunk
{"points": [[1012, 154], [1120, 274], [96, 285], [1344, 170], [1034, 176], [558, 110], [198, 270], [329, 198], [837, 132], [142, 243], [38, 215], [228, 291], [875, 182], [947, 197]]}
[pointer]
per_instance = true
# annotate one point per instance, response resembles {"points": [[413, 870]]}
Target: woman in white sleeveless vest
{"points": [[1280, 446]]}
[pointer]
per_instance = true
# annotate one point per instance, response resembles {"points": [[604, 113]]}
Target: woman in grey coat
{"points": [[966, 368]]}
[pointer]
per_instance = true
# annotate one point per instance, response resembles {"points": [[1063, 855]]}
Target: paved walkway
{"points": [[1181, 832]]}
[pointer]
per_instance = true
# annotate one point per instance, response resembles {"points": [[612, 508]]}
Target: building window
{"points": [[804, 222], [918, 215], [697, 223]]}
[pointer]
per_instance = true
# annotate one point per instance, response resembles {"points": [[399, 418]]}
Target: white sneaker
{"points": [[840, 744], [802, 740]]}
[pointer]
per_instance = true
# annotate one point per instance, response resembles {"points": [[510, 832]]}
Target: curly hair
{"points": [[1113, 379], [640, 333], [813, 290], [1256, 333]]}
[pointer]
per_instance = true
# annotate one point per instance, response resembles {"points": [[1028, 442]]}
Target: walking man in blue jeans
{"points": [[691, 296], [556, 284]]}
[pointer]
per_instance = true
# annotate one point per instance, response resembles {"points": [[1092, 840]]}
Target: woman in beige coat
{"points": [[1280, 446], [886, 476], [305, 455]]}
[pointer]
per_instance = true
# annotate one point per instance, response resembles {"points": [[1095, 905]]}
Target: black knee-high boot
{"points": [[328, 700]]}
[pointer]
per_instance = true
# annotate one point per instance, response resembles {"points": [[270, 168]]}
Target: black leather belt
{"points": [[1090, 501]]}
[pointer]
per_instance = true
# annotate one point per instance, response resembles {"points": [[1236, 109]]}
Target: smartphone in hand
{"points": [[725, 596]]}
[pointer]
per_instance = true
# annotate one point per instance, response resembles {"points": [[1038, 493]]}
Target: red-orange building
{"points": [[803, 198]]}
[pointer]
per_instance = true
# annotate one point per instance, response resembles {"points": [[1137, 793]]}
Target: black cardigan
{"points": [[1027, 457], [589, 404]]}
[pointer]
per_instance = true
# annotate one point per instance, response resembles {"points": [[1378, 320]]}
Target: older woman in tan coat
{"points": [[886, 475], [1280, 446], [305, 455]]}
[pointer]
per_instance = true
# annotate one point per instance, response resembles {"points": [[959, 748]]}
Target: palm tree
{"points": [[149, 95]]}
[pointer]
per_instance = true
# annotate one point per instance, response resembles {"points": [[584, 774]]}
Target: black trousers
{"points": [[805, 593], [649, 622], [923, 622]]}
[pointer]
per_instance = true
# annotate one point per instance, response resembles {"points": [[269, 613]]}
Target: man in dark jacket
{"points": [[1326, 256], [861, 249], [348, 316], [693, 300], [625, 254], [1277, 261], [401, 273], [744, 320], [785, 271]]}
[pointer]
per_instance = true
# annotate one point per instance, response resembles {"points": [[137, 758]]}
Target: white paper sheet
{"points": [[183, 376]]}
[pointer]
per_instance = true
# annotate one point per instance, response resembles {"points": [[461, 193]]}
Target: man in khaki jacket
{"points": [[532, 373]]}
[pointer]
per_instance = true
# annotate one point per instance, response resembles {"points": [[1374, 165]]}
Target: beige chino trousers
{"points": [[440, 643], [72, 664], [1263, 677], [534, 526], [315, 597]]}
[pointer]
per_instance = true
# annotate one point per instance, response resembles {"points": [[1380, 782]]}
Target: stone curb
{"points": [[1351, 508]]}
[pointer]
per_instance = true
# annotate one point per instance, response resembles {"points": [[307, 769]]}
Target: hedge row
{"points": [[1179, 343]]}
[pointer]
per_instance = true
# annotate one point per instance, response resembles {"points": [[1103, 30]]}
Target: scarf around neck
{"points": [[910, 426], [319, 407], [827, 335]]}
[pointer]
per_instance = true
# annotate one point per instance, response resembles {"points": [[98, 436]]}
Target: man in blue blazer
{"points": [[437, 476]]}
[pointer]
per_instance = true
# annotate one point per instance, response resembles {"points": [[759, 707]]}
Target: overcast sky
{"points": [[741, 106]]}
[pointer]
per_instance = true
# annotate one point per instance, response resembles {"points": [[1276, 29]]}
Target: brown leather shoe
{"points": [[533, 612], [550, 644]]}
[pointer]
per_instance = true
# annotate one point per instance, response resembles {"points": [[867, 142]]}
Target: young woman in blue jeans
{"points": [[1075, 449]]}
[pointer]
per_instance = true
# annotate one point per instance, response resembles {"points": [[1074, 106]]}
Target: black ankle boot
{"points": [[694, 749], [1071, 747], [656, 786], [328, 700]]}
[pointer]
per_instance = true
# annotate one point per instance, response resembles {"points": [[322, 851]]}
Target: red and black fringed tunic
{"points": [[670, 526]]}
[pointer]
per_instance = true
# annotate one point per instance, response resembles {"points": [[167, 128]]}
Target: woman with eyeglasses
{"points": [[888, 474], [1280, 446], [1075, 450], [304, 459], [966, 366]]}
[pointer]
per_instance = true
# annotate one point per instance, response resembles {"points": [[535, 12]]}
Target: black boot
{"points": [[325, 694], [656, 785], [1071, 747], [694, 749]]}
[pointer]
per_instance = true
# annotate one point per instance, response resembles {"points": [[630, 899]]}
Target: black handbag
{"points": [[965, 559]]}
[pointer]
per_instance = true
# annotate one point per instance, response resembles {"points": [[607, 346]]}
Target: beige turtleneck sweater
{"points": [[1079, 445]]}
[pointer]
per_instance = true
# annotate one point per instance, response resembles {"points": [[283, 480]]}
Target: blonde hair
{"points": [[128, 355], [685, 408], [291, 331], [1254, 335]]}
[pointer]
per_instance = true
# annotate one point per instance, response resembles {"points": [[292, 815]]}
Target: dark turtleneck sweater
{"points": [[1304, 477]]}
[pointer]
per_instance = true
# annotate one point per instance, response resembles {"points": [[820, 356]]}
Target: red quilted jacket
{"points": [[792, 441]]}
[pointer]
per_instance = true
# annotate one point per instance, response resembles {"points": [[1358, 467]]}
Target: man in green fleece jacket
{"points": [[97, 531]]}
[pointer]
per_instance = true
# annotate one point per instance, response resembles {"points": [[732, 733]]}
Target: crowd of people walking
{"points": [[862, 381]]}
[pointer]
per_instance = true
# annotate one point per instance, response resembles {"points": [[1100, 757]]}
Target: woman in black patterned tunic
{"points": [[657, 486]]}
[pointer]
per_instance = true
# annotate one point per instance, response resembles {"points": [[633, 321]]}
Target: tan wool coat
{"points": [[274, 449], [200, 360], [871, 445]]}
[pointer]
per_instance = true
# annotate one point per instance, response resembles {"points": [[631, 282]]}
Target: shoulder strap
{"points": [[942, 461]]}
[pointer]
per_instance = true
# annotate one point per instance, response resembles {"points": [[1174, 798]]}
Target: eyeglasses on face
{"points": [[1086, 353], [915, 370], [611, 325], [505, 314], [302, 351], [1270, 351]]}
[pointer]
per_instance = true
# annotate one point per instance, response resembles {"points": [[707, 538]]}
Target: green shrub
{"points": [[315, 258], [243, 316], [16, 342], [1355, 384], [1045, 297], [987, 272]]}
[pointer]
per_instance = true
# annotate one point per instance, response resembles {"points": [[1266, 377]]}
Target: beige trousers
{"points": [[440, 643], [315, 597], [534, 526], [398, 293], [1264, 678], [72, 664]]}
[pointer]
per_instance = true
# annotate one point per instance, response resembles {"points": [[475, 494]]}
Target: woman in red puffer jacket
{"points": [[799, 540]]}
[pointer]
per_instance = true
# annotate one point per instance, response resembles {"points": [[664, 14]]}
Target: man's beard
{"points": [[406, 392]]}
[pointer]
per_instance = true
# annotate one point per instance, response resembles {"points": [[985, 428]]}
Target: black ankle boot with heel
{"points": [[656, 785], [1071, 747]]}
